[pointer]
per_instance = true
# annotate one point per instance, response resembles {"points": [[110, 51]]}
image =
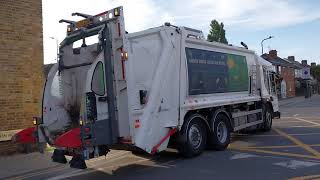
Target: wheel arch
{"points": [[268, 104], [206, 116], [224, 112], [195, 114]]}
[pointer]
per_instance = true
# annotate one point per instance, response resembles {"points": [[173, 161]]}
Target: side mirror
{"points": [[84, 42]]}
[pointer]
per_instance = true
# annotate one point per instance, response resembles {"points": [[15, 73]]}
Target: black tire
{"points": [[267, 119], [219, 137], [193, 136], [58, 156]]}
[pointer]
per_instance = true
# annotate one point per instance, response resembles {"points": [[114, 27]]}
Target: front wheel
{"points": [[267, 119], [193, 136]]}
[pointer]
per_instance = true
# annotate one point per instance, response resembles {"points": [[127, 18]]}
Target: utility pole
{"points": [[264, 40]]}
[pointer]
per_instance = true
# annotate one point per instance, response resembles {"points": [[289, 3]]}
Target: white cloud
{"points": [[139, 15], [142, 14], [257, 14]]}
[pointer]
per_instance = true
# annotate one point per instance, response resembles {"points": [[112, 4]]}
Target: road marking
{"points": [[280, 147], [276, 153], [61, 167], [104, 169], [66, 175], [25, 176], [242, 156], [272, 135], [82, 171], [298, 142], [91, 170], [310, 117], [280, 122], [311, 122], [294, 164], [15, 176], [305, 126], [166, 164], [274, 147], [311, 177]]}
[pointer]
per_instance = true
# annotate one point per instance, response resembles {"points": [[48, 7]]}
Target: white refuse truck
{"points": [[150, 89]]}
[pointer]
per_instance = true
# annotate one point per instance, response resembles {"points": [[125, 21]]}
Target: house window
{"points": [[292, 71], [279, 69]]}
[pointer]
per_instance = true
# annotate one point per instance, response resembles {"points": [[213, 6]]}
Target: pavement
{"points": [[287, 101], [290, 151]]}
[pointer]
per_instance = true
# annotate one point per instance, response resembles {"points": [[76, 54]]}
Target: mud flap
{"points": [[78, 162], [58, 156]]}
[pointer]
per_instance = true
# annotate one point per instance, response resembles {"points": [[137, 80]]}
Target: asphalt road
{"points": [[290, 151]]}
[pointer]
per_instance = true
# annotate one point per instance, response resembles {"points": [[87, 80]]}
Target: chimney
{"points": [[304, 62], [291, 58], [273, 54], [313, 64]]}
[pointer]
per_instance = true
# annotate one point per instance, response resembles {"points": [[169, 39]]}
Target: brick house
{"points": [[300, 83], [286, 71], [21, 64]]}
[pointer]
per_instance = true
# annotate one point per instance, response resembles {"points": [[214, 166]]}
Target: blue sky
{"points": [[295, 24]]}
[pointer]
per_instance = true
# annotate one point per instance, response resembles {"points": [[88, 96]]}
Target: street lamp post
{"points": [[264, 40], [57, 46]]}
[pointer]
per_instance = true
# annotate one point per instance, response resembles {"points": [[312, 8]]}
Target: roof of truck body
{"points": [[190, 40]]}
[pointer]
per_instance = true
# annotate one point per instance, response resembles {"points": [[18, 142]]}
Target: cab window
{"points": [[98, 82]]}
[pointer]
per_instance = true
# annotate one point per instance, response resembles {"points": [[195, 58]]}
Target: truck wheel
{"points": [[193, 136], [219, 138], [267, 119]]}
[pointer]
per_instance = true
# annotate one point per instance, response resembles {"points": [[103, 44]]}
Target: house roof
{"points": [[297, 65], [277, 61]]}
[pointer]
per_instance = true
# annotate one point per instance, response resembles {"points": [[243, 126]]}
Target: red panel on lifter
{"points": [[170, 133], [70, 139], [25, 136]]}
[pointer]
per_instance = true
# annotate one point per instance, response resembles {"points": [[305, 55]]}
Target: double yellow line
{"points": [[315, 154], [299, 143]]}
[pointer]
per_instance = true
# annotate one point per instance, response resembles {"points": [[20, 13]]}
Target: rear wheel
{"points": [[219, 138], [193, 136]]}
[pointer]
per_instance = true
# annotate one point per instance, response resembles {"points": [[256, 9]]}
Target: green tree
{"points": [[217, 32], [315, 72]]}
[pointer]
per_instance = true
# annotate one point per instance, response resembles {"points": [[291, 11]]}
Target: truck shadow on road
{"points": [[131, 165]]}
